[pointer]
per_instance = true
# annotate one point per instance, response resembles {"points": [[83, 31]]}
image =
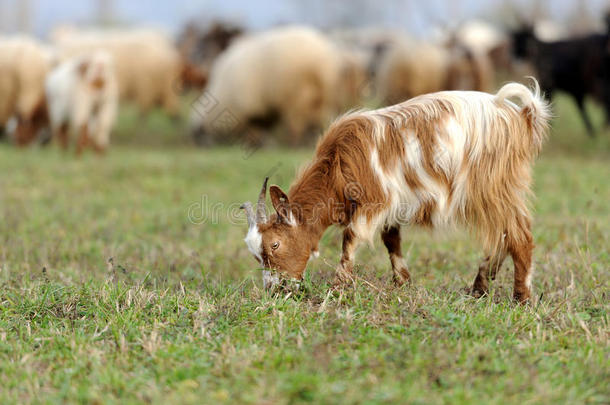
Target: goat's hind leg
{"points": [[520, 247], [391, 240]]}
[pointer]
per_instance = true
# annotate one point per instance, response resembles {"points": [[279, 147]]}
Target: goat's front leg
{"points": [[391, 240], [488, 269], [345, 270]]}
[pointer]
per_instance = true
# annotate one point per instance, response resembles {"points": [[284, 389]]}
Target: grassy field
{"points": [[179, 315]]}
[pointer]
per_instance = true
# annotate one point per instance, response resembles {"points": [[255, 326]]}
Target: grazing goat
{"points": [[82, 97], [578, 66], [437, 160]]}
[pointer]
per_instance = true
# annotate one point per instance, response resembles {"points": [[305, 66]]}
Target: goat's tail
{"points": [[535, 110]]}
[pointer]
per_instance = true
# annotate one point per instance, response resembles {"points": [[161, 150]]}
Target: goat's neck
{"points": [[317, 201]]}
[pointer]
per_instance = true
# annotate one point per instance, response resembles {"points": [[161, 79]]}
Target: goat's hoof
{"points": [[401, 277], [342, 282], [477, 292], [522, 298]]}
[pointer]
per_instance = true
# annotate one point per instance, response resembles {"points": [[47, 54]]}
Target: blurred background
{"points": [[88, 74]]}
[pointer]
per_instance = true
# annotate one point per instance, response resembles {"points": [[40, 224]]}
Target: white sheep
{"points": [[290, 72], [23, 66], [485, 41], [82, 98], [409, 68]]}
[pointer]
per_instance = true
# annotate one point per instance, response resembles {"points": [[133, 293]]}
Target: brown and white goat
{"points": [[438, 160], [82, 98]]}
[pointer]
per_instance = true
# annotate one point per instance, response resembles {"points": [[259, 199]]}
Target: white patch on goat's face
{"points": [[270, 279], [254, 241]]}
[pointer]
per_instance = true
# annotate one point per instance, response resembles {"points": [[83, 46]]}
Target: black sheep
{"points": [[578, 66]]}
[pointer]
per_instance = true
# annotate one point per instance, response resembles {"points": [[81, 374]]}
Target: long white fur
{"points": [[254, 241]]}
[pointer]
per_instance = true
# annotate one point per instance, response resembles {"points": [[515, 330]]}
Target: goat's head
{"points": [[279, 243]]}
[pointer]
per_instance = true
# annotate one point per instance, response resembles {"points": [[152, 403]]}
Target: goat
{"points": [[437, 160], [578, 66], [82, 98]]}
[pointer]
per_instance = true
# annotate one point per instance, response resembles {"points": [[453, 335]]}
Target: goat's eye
{"points": [[275, 245]]}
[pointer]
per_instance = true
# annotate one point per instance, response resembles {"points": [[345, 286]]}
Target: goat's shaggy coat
{"points": [[438, 160]]}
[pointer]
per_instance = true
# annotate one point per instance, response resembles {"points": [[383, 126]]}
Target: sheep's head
{"points": [[279, 243], [522, 39]]}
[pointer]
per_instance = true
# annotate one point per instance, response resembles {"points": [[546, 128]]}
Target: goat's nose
{"points": [[270, 279]]}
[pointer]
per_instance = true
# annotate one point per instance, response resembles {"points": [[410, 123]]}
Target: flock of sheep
{"points": [[299, 77], [73, 85], [296, 77]]}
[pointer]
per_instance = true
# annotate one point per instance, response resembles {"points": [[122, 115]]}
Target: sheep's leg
{"points": [[580, 102], [170, 100], [102, 125], [520, 249], [488, 269], [607, 108], [100, 149], [99, 136], [83, 139], [345, 270], [296, 130], [26, 131], [61, 134], [391, 240]]}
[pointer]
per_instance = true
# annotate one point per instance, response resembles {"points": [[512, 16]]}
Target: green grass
{"points": [[180, 315]]}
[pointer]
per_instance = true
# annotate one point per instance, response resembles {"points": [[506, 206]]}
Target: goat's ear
{"points": [[280, 202]]}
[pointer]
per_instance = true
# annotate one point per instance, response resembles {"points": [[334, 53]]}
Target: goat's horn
{"points": [[261, 209], [247, 206]]}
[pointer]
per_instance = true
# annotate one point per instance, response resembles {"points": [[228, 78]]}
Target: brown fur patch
{"points": [[98, 83]]}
